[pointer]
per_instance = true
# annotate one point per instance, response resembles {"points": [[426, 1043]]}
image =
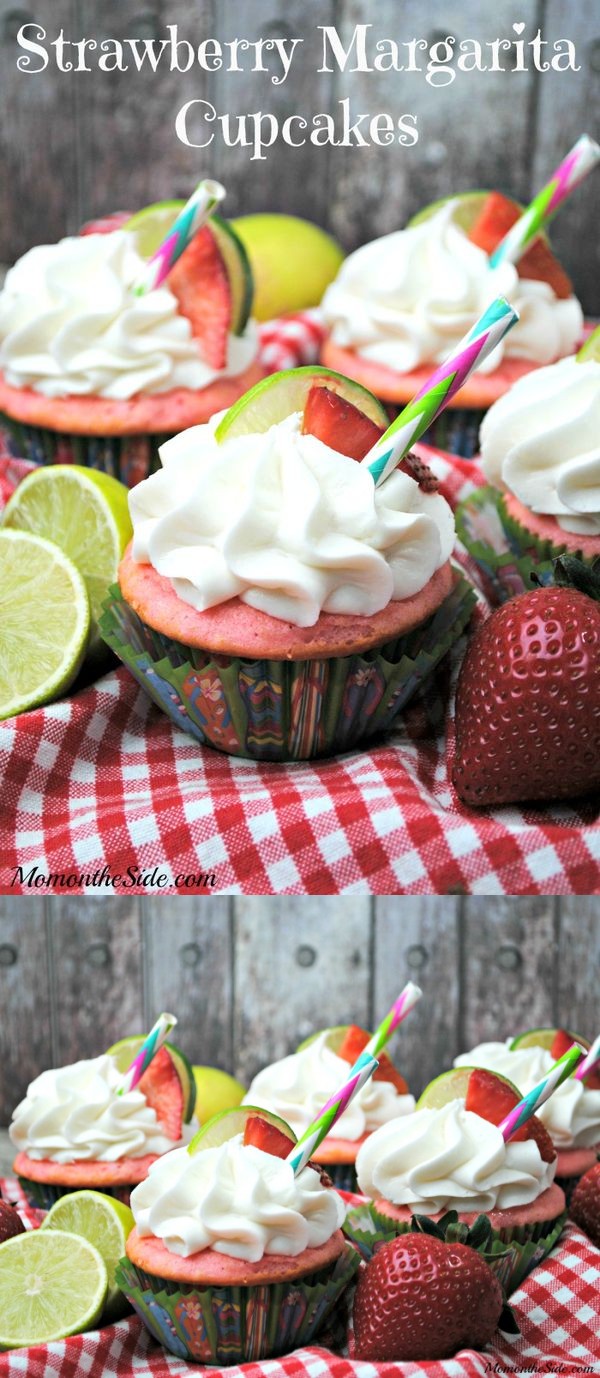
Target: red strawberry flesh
{"points": [[260, 1133], [10, 1222], [163, 1091], [493, 1099], [338, 423], [199, 281], [354, 1043], [585, 1204], [497, 216], [561, 1043]]}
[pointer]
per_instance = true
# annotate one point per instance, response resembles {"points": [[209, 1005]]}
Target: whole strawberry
{"points": [[420, 1298], [585, 1204], [528, 698], [10, 1222]]}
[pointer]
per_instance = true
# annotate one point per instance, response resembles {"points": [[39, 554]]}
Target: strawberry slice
{"points": [[492, 1099], [354, 1043], [561, 1043], [106, 223], [537, 1130], [497, 216], [259, 1133], [199, 281], [338, 423], [163, 1091]]}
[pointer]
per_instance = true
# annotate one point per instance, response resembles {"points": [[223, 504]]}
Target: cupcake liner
{"points": [[343, 1175], [505, 551], [44, 1194], [232, 1325], [568, 1185], [456, 430], [275, 710], [129, 458], [514, 1252]]}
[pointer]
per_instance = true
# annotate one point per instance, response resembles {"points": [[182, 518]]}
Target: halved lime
{"points": [[453, 1085], [106, 1224], [52, 1284], [590, 351], [276, 397], [231, 1122], [44, 622], [127, 1048], [85, 512], [215, 1091], [152, 223]]}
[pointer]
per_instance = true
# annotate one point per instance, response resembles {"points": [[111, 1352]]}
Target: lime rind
{"points": [[239, 272], [282, 394], [228, 1123], [453, 1085], [126, 1049], [543, 1038], [106, 1224], [44, 621], [52, 1284]]}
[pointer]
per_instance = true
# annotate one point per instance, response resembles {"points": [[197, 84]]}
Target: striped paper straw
{"points": [[410, 425], [195, 213], [406, 1002], [154, 1040], [541, 1093], [582, 160], [302, 1151], [590, 1061]]}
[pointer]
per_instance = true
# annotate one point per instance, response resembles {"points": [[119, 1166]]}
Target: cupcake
{"points": [[401, 304], [273, 601], [297, 1086], [91, 373], [75, 1130], [450, 1156], [540, 450], [571, 1115], [233, 1258]]}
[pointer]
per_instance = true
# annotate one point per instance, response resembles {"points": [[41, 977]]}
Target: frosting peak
{"points": [[571, 1115], [296, 1088], [71, 325], [407, 299], [236, 1200], [542, 441], [74, 1113], [451, 1159], [288, 525]]}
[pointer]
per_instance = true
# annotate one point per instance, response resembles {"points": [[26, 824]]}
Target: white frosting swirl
{"points": [[571, 1115], [297, 1087], [70, 324], [71, 1114], [236, 1200], [290, 526], [451, 1159], [542, 441], [407, 299]]}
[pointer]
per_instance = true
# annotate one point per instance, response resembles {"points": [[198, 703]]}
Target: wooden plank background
{"points": [[74, 145], [252, 977]]}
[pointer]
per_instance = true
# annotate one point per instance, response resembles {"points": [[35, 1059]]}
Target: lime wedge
{"points": [[467, 210], [543, 1038], [453, 1085], [51, 1285], [231, 1122], [276, 397], [127, 1048], [215, 1091], [85, 512], [335, 1038], [590, 351], [44, 622], [106, 1224], [151, 224]]}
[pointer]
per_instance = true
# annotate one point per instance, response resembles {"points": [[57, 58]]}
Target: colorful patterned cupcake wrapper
{"points": [[515, 1251], [505, 552], [44, 1194], [283, 710], [232, 1325], [129, 458], [456, 430]]}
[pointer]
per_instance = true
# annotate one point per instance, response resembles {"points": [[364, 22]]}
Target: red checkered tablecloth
{"points": [[557, 1311], [101, 786]]}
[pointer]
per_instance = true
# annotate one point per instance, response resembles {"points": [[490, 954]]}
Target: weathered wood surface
{"points": [[73, 145], [253, 977]]}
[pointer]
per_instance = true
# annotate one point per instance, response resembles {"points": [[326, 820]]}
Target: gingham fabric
{"points": [[102, 779], [557, 1311]]}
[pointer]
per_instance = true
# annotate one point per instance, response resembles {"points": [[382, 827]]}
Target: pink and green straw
{"points": [[406, 1001], [531, 1103], [303, 1151], [203, 201], [590, 1061], [582, 159], [152, 1043], [416, 418]]}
